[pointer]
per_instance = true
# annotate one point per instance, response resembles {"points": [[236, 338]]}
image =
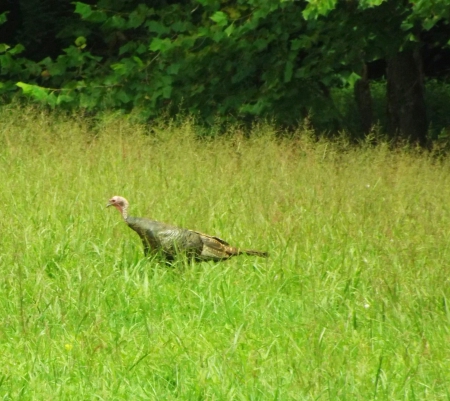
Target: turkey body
{"points": [[171, 240]]}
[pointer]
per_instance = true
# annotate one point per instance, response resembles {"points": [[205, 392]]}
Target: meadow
{"points": [[352, 304]]}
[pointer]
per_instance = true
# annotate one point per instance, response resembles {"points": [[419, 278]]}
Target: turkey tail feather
{"points": [[255, 253]]}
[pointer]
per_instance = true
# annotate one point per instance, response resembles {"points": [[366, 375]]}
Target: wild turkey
{"points": [[170, 240]]}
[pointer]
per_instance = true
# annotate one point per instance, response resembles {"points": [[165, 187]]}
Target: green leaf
{"points": [[115, 22], [138, 61], [316, 8], [127, 47], [351, 79], [3, 18], [371, 3], [64, 98], [220, 18], [71, 85], [302, 42], [87, 101], [57, 69], [119, 68], [179, 26], [429, 23], [83, 9], [167, 91], [157, 27], [97, 16], [4, 47], [218, 36], [38, 93], [407, 25], [123, 96], [141, 49], [173, 68], [158, 44], [17, 49], [51, 100], [80, 41], [32, 68], [136, 19], [229, 30]]}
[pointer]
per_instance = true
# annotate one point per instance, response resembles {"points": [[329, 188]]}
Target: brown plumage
{"points": [[171, 240]]}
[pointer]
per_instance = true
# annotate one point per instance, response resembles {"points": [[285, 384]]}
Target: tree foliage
{"points": [[241, 58]]}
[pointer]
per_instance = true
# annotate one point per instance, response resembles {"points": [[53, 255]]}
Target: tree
{"points": [[392, 31], [242, 58]]}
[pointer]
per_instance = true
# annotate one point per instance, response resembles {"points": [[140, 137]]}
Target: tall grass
{"points": [[353, 302]]}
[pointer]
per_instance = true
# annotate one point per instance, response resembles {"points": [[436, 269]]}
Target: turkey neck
{"points": [[124, 211]]}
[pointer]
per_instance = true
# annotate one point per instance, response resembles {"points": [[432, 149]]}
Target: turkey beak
{"points": [[109, 204]]}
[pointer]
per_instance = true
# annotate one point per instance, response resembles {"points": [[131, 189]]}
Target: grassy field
{"points": [[353, 303]]}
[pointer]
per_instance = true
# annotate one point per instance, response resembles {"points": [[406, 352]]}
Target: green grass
{"points": [[353, 303]]}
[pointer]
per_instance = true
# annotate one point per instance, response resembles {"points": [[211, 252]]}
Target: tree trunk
{"points": [[364, 102], [405, 97]]}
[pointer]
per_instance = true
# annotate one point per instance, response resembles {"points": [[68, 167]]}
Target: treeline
{"points": [[238, 60]]}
